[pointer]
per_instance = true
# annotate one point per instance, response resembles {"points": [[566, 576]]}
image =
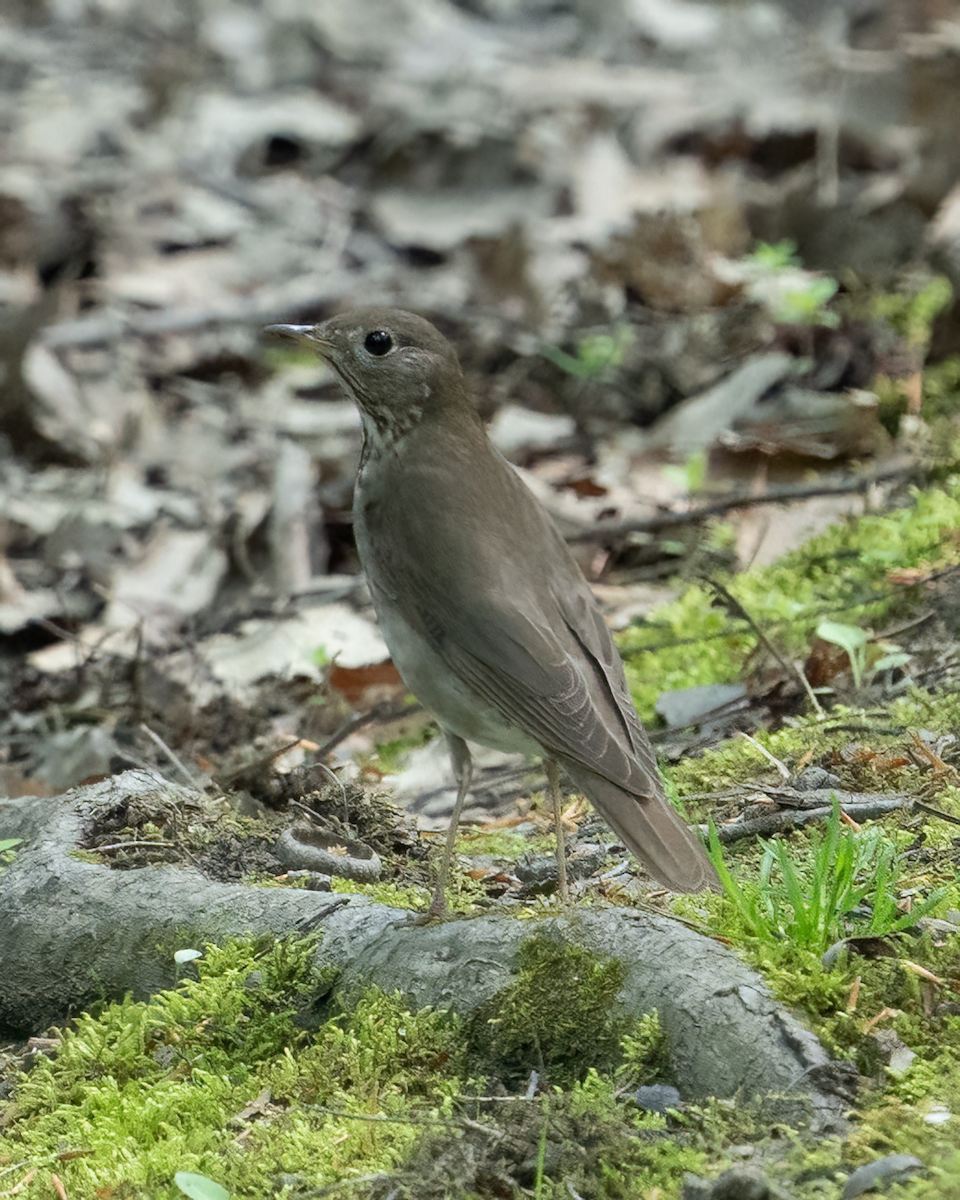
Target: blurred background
{"points": [[689, 251]]}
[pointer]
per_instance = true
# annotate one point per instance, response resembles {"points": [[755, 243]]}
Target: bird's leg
{"points": [[553, 779], [463, 772]]}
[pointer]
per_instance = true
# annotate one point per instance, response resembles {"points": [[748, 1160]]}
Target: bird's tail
{"points": [[652, 830]]}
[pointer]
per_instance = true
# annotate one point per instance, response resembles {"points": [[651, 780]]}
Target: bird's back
{"points": [[517, 606]]}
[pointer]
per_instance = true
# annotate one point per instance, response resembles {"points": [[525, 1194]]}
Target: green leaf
{"points": [[743, 903], [566, 362], [199, 1187], [891, 661], [850, 638], [806, 306], [775, 256]]}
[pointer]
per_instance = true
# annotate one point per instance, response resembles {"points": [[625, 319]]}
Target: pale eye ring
{"points": [[378, 342]]}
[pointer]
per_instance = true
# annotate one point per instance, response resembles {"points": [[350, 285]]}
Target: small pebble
{"points": [[894, 1168], [657, 1098]]}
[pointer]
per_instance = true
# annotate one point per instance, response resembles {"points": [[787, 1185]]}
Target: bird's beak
{"points": [[295, 333], [309, 336]]}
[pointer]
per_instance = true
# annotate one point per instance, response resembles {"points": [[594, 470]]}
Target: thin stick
{"points": [[133, 845], [158, 741], [738, 610], [784, 772], [670, 520]]}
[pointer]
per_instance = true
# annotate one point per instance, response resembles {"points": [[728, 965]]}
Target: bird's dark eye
{"points": [[378, 342]]}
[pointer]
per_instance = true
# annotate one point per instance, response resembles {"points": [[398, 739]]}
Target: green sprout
{"points": [[800, 297], [596, 354], [811, 899]]}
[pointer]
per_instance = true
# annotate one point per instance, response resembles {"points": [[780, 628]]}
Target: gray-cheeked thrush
{"points": [[486, 614]]}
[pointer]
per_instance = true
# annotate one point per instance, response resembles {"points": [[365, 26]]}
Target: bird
{"points": [[486, 614]]}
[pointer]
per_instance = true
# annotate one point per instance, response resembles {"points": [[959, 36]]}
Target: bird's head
{"points": [[396, 365]]}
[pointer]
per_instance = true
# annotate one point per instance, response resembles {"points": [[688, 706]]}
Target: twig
{"points": [[611, 530], [192, 781], [332, 1188], [780, 822], [13, 1167], [936, 812], [381, 1119], [262, 760], [895, 630], [308, 923], [738, 610], [784, 772], [921, 971], [380, 712], [331, 774], [133, 845]]}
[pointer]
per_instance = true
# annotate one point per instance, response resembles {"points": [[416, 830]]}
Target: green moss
{"points": [[940, 1179], [941, 388], [560, 1015], [502, 844], [8, 850], [463, 892], [396, 895], [595, 1145], [737, 761], [732, 764], [217, 1077], [842, 575], [912, 309], [588, 1140], [391, 756], [908, 1120], [926, 710], [145, 1090], [657, 652], [644, 1051]]}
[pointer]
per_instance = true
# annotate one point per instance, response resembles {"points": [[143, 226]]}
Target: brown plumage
{"points": [[487, 615]]}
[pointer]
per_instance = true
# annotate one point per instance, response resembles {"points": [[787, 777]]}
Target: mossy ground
{"points": [[233, 1077], [905, 984], [221, 1078], [846, 574]]}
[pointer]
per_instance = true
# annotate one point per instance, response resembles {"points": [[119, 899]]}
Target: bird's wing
{"points": [[562, 691], [532, 645]]}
